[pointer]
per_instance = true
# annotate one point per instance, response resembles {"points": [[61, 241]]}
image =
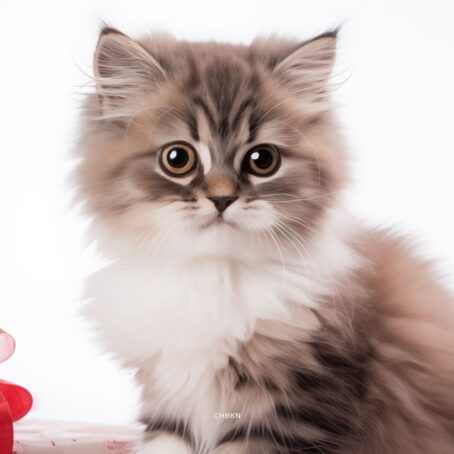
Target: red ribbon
{"points": [[15, 401]]}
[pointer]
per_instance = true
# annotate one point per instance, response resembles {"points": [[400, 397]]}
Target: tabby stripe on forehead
{"points": [[226, 124], [241, 112], [198, 101], [253, 127], [193, 127]]}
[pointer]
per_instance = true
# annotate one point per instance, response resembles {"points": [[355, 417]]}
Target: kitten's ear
{"points": [[306, 71], [123, 68]]}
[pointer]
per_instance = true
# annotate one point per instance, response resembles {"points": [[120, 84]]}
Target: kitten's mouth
{"points": [[217, 220]]}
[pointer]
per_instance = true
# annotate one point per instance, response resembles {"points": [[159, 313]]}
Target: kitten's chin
{"points": [[216, 237]]}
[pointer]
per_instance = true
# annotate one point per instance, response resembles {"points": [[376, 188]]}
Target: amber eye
{"points": [[262, 161], [178, 159]]}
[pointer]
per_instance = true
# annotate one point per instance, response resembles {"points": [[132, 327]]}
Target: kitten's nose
{"points": [[222, 202]]}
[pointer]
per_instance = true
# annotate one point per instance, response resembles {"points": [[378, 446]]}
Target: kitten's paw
{"points": [[165, 444]]}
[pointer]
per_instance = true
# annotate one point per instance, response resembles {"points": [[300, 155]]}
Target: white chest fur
{"points": [[178, 319], [178, 323], [169, 305]]}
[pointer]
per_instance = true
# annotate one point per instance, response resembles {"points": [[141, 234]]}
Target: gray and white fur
{"points": [[259, 314]]}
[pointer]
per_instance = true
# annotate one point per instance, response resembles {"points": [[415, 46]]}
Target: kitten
{"points": [[261, 317]]}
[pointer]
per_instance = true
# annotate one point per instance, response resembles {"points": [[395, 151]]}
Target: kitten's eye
{"points": [[177, 159], [262, 161]]}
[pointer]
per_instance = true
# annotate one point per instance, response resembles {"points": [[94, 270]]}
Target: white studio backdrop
{"points": [[397, 108]]}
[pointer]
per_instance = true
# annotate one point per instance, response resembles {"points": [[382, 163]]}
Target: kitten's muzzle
{"points": [[222, 202]]}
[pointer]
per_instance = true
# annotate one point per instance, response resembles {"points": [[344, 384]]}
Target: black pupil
{"points": [[178, 157], [263, 158]]}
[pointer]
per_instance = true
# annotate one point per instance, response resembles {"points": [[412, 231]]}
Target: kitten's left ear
{"points": [[306, 71], [123, 68]]}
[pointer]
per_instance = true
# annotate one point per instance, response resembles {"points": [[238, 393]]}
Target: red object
{"points": [[15, 401]]}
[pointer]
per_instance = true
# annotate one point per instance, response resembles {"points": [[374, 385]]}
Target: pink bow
{"points": [[15, 401]]}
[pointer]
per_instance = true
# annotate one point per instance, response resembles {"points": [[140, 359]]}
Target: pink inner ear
{"points": [[7, 346]]}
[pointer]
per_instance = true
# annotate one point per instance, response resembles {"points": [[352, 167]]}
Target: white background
{"points": [[397, 108]]}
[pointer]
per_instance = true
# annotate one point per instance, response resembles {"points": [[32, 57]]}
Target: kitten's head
{"points": [[197, 144]]}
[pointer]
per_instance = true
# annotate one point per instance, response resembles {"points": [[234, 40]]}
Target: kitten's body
{"points": [[321, 336], [195, 313]]}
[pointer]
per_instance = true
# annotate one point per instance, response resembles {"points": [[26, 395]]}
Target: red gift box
{"points": [[15, 401]]}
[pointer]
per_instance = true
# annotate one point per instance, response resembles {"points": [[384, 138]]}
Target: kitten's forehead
{"points": [[223, 98], [225, 104]]}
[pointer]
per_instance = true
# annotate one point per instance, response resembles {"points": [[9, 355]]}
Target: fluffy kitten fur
{"points": [[319, 334]]}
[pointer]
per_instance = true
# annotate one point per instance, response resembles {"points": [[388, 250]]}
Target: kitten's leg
{"points": [[165, 443]]}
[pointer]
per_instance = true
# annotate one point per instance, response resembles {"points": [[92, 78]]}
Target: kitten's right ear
{"points": [[303, 68], [123, 68]]}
